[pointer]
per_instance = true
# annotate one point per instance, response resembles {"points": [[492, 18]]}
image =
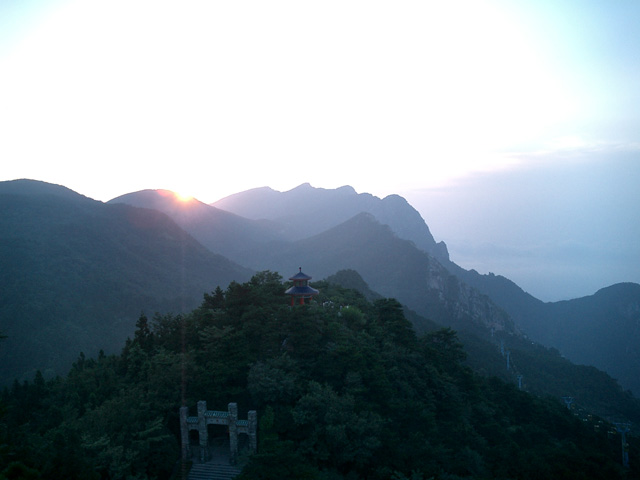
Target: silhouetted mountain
{"points": [[306, 211], [36, 187], [602, 330], [352, 280], [394, 268], [386, 241], [75, 274], [597, 339], [220, 231]]}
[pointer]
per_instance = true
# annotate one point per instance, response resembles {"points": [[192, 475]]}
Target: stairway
{"points": [[212, 471]]}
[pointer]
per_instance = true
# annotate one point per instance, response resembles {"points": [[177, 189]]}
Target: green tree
{"points": [[336, 433], [390, 316], [215, 301], [274, 381], [19, 471], [276, 459], [143, 335]]}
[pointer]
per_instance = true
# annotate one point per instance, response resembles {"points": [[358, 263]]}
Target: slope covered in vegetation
{"points": [[76, 273], [344, 389]]}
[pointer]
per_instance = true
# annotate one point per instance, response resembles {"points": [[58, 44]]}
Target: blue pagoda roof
{"points": [[300, 276], [300, 291]]}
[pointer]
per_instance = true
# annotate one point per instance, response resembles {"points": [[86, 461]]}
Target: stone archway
{"points": [[212, 417]]}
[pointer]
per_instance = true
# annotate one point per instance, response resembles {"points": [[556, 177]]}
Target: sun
{"points": [[182, 197]]}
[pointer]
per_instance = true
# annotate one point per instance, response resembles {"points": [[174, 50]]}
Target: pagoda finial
{"points": [[300, 268]]}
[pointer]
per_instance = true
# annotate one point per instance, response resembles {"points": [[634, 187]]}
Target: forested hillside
{"points": [[516, 359], [76, 273], [344, 388]]}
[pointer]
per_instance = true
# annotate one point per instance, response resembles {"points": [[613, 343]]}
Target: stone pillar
{"points": [[233, 433], [202, 431], [252, 418], [184, 433]]}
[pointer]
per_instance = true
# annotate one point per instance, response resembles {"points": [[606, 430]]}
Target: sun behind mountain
{"points": [[182, 197], [179, 196]]}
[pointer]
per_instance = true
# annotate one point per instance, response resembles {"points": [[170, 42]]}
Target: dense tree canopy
{"points": [[344, 388]]}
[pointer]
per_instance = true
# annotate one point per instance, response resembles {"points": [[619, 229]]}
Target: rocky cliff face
{"points": [[467, 308]]}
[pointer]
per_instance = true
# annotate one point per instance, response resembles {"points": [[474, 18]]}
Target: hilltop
{"points": [[343, 387]]}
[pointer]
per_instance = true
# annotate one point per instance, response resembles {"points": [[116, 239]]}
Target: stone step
{"points": [[210, 471]]}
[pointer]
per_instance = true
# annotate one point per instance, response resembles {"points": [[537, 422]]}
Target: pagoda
{"points": [[301, 292]]}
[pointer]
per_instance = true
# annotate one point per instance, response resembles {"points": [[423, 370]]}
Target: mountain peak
{"points": [[303, 186], [308, 189], [620, 289], [166, 201], [306, 211], [25, 186], [347, 189]]}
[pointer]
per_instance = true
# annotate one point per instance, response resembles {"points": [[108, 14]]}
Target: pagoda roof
{"points": [[302, 290], [300, 276]]}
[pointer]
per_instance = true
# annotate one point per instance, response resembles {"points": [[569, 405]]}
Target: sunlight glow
{"points": [[180, 196], [379, 95], [183, 197]]}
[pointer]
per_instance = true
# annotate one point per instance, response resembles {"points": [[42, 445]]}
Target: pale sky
{"points": [[430, 100]]}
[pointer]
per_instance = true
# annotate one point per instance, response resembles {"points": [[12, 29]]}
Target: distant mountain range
{"points": [[390, 245], [318, 229], [69, 263]]}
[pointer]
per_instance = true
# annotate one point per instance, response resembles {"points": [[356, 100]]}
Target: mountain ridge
{"points": [[76, 273], [222, 232], [331, 207]]}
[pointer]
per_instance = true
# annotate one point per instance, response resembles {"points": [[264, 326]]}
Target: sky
{"points": [[512, 126]]}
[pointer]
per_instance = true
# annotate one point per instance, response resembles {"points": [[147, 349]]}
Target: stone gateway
{"points": [[212, 417]]}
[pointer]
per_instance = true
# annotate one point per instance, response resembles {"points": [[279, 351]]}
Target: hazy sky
{"points": [[505, 123]]}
